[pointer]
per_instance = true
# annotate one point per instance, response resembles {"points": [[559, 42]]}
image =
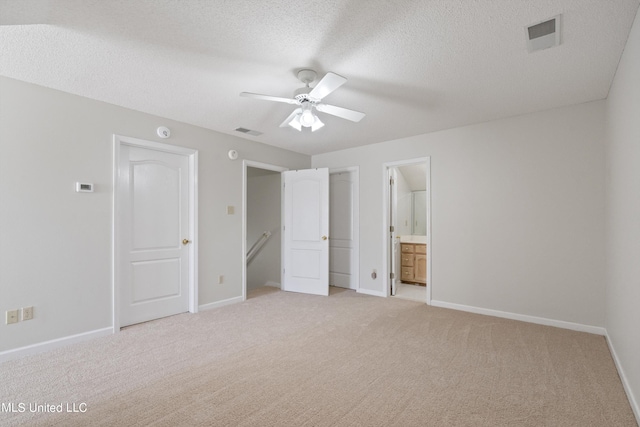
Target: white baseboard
{"points": [[370, 292], [522, 317], [52, 344], [222, 303], [625, 383]]}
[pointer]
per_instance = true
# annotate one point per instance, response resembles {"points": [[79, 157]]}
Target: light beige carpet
{"points": [[285, 359]]}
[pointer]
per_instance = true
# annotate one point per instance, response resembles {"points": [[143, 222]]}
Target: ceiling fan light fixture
{"points": [[308, 100], [317, 124], [307, 118], [295, 123]]}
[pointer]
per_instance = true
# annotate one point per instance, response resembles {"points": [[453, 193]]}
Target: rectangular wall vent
{"points": [[84, 187], [249, 131], [543, 35]]}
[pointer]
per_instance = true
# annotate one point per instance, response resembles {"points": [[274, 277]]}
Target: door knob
{"points": [[324, 237], [186, 241]]}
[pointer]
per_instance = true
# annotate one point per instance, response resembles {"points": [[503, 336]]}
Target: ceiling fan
{"points": [[309, 99]]}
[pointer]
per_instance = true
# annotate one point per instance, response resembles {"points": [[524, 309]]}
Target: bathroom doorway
{"points": [[407, 229]]}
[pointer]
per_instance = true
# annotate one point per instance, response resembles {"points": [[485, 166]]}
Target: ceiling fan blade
{"points": [[291, 116], [343, 113], [329, 83], [268, 98]]}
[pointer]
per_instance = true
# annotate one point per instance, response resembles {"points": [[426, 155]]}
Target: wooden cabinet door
{"points": [[420, 268]]}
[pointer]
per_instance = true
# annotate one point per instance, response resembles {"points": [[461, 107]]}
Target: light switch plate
{"points": [[231, 210], [12, 316]]}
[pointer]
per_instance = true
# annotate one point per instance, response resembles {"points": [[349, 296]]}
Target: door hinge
{"points": [[392, 229], [392, 276], [391, 181]]}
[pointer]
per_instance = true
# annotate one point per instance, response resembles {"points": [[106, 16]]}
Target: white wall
{"points": [[55, 244], [263, 214], [517, 212], [623, 216]]}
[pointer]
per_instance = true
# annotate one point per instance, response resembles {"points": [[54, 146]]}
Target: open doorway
{"points": [[262, 217], [407, 229], [264, 212]]}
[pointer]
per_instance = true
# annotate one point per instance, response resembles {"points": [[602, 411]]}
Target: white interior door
{"points": [[153, 239], [342, 222], [392, 242], [305, 242]]}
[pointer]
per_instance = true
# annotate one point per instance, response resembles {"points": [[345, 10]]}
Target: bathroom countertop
{"points": [[413, 239]]}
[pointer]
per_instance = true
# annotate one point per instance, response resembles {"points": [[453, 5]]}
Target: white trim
{"points": [[355, 263], [192, 155], [370, 292], [153, 145], [53, 344], [623, 377], [193, 231], [218, 304], [115, 315], [257, 165], [522, 317], [385, 223]]}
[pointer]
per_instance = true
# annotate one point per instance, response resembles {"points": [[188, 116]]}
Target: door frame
{"points": [[385, 223], [355, 199], [258, 165], [118, 141]]}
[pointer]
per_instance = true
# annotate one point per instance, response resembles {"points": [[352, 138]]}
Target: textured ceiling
{"points": [[412, 66]]}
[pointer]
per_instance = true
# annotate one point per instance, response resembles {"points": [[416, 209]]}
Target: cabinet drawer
{"points": [[407, 260], [407, 273], [421, 249], [408, 248]]}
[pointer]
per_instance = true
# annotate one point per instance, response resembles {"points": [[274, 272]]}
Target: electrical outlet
{"points": [[27, 313], [12, 316], [220, 279]]}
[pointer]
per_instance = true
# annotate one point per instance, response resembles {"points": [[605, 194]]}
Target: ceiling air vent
{"points": [[249, 131], [544, 34]]}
